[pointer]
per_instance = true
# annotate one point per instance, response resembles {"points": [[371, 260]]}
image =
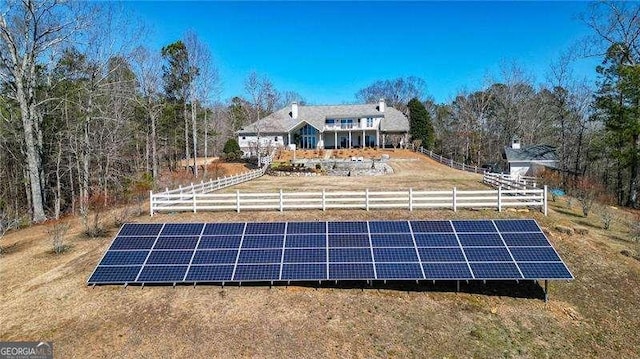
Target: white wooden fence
{"points": [[216, 184], [507, 181], [366, 200], [451, 163]]}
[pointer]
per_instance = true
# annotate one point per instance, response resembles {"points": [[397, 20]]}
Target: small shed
{"points": [[526, 161]]}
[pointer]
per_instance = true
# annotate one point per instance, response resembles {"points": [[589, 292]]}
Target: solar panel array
{"points": [[315, 251]]}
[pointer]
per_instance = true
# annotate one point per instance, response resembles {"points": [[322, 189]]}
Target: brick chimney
{"points": [[381, 105], [294, 110]]}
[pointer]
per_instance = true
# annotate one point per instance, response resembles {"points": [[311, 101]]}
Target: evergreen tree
{"points": [[618, 104], [420, 126]]}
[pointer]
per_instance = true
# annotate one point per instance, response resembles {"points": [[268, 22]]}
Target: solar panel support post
{"points": [[457, 286], [544, 199], [499, 198], [281, 201], [455, 204], [546, 290], [151, 203]]}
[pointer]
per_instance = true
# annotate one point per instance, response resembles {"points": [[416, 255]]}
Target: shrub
{"points": [[586, 191], [606, 215], [231, 146], [57, 233], [232, 151]]}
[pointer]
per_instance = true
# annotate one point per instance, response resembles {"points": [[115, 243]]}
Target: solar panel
{"points": [[162, 274], [411, 271], [257, 272], [176, 242], [307, 271], [139, 229], [223, 229], [392, 240], [224, 256], [306, 227], [306, 241], [348, 250], [305, 255], [389, 227], [210, 273], [351, 271], [260, 256], [182, 229], [444, 254], [391, 255], [347, 255]]}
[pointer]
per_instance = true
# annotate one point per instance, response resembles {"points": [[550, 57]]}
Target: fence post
{"points": [[366, 197], [500, 198], [193, 193], [238, 200], [281, 199], [151, 203], [455, 203], [410, 199], [451, 162], [180, 188], [324, 200], [431, 153], [544, 198]]}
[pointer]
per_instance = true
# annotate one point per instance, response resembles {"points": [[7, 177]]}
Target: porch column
{"points": [[377, 138], [335, 139], [363, 141], [288, 138], [349, 138], [384, 140]]}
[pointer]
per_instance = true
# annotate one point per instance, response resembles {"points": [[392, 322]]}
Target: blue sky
{"points": [[326, 51]]}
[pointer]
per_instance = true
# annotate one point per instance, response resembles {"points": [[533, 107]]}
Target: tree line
{"points": [[88, 118]]}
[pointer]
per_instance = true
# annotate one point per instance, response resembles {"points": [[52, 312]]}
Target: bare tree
{"points": [[264, 98], [28, 30], [613, 22], [203, 87], [147, 66]]}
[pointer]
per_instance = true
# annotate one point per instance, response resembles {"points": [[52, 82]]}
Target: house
{"points": [[526, 161], [329, 127]]}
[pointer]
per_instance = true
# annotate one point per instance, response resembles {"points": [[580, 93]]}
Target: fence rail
{"points": [[366, 200], [451, 163], [497, 180], [218, 183]]}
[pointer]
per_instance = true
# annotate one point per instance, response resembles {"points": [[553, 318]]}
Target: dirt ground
{"points": [[44, 297]]}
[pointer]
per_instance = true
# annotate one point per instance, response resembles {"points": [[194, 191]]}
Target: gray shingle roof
{"points": [[281, 120], [531, 153]]}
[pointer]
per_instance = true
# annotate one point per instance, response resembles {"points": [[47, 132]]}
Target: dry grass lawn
{"points": [[44, 297]]}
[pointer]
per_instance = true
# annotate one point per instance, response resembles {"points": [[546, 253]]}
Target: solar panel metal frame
{"points": [[556, 269]]}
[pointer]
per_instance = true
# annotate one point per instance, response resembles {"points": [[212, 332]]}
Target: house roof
{"points": [[281, 120], [536, 153]]}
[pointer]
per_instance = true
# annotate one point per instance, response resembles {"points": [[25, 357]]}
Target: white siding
{"points": [[519, 168]]}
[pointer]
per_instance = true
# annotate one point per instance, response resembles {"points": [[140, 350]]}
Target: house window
{"points": [[329, 122], [369, 122]]}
